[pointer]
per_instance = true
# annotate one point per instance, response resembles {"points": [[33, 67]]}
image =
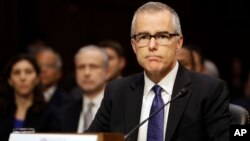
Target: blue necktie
{"points": [[156, 123]]}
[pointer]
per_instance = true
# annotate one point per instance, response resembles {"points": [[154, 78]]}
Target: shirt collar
{"points": [[96, 100], [49, 92], [166, 83]]}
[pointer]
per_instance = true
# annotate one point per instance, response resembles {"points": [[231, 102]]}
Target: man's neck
{"points": [[93, 94], [158, 76]]}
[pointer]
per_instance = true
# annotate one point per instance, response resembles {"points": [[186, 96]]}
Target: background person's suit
{"points": [[67, 118]]}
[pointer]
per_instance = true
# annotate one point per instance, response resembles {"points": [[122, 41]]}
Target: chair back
{"points": [[240, 115]]}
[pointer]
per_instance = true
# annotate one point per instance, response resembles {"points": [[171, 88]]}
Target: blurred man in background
{"points": [[117, 60], [91, 64], [51, 64]]}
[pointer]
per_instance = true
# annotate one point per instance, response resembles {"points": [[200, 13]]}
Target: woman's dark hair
{"points": [[7, 100]]}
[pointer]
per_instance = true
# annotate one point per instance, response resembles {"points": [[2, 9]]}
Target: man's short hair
{"points": [[113, 45], [157, 7], [94, 47], [59, 62]]}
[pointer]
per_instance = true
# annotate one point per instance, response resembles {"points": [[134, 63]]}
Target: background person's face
{"points": [[23, 78], [155, 58], [50, 73], [197, 61], [185, 58], [116, 64], [91, 73]]}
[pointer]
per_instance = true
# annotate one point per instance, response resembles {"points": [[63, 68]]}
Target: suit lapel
{"points": [[134, 104], [73, 118], [177, 106]]}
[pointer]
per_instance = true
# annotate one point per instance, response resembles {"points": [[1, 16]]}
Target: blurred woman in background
{"points": [[22, 104]]}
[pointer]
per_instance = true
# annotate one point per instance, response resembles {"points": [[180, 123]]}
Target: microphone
{"points": [[182, 93]]}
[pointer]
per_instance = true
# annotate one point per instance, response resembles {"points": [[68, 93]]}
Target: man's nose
{"points": [[152, 43], [87, 71]]}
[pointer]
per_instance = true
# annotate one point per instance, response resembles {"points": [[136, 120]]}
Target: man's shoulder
{"points": [[121, 85], [128, 80], [206, 82], [73, 105], [195, 76]]}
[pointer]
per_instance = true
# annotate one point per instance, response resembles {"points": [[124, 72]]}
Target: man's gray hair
{"points": [[59, 62], [96, 48], [157, 7]]}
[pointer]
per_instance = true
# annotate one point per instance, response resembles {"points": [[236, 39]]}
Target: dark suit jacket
{"points": [[76, 93], [200, 115], [67, 118], [59, 99], [39, 120]]}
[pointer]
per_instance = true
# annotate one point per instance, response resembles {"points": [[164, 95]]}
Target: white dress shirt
{"points": [[49, 93], [97, 102], [167, 84]]}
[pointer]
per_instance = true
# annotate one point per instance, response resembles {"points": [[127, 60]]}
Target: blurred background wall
{"points": [[220, 28]]}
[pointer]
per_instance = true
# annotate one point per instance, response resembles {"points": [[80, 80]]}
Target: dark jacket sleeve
{"points": [[217, 115]]}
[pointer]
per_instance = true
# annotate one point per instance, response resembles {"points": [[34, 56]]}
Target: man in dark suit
{"points": [[202, 113], [50, 64], [117, 60], [91, 64]]}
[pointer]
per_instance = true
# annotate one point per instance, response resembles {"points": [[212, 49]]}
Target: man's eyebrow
{"points": [[140, 33], [161, 32]]}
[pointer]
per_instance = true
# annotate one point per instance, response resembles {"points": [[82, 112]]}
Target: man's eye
{"points": [[141, 37], [163, 36]]}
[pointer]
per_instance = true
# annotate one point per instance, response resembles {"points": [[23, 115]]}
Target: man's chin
{"points": [[89, 90], [154, 70]]}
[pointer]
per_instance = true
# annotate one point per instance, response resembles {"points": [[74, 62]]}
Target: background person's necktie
{"points": [[88, 116], [156, 123]]}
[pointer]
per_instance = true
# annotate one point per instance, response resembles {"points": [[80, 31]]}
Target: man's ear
{"points": [[59, 75], [122, 62], [179, 42], [107, 73], [133, 46]]}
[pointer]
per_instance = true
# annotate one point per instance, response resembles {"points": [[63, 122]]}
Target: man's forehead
{"points": [[158, 22], [153, 13]]}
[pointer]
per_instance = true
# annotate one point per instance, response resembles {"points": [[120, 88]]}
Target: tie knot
{"points": [[90, 105], [157, 89]]}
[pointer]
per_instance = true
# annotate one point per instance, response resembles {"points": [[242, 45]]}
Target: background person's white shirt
{"points": [[97, 102], [49, 93]]}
